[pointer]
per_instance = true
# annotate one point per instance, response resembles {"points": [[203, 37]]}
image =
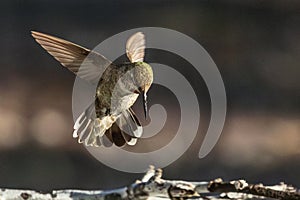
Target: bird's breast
{"points": [[120, 104]]}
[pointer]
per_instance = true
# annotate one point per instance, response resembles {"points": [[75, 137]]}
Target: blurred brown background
{"points": [[255, 45]]}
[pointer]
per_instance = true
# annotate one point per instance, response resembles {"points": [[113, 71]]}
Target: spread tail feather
{"points": [[118, 130]]}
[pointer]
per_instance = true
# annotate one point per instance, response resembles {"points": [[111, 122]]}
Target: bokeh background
{"points": [[254, 43]]}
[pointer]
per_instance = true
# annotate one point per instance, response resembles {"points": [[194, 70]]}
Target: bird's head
{"points": [[143, 80]]}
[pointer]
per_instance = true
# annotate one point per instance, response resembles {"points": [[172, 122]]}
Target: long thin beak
{"points": [[145, 104]]}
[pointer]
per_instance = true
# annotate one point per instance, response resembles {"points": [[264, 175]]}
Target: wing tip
{"points": [[35, 33], [139, 33], [32, 32]]}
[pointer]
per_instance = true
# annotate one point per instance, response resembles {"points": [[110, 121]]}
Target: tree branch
{"points": [[152, 186]]}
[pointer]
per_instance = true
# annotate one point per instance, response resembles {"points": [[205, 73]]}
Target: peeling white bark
{"points": [[152, 186]]}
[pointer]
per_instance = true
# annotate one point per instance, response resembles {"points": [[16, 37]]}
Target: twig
{"points": [[281, 191], [152, 186]]}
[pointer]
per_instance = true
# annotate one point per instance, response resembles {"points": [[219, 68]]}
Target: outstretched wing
{"points": [[87, 64], [135, 47]]}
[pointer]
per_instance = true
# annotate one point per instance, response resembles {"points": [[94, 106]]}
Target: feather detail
{"points": [[135, 47], [87, 64], [110, 129]]}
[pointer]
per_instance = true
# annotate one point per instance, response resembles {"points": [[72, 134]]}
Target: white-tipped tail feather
{"points": [[119, 130]]}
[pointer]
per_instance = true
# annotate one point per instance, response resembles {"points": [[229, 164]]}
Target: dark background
{"points": [[255, 45]]}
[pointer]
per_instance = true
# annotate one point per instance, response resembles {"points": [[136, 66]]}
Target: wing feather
{"points": [[87, 64], [135, 47]]}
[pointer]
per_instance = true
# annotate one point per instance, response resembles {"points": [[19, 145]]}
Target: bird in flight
{"points": [[109, 119]]}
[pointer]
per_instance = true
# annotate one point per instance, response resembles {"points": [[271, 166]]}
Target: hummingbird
{"points": [[109, 119]]}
